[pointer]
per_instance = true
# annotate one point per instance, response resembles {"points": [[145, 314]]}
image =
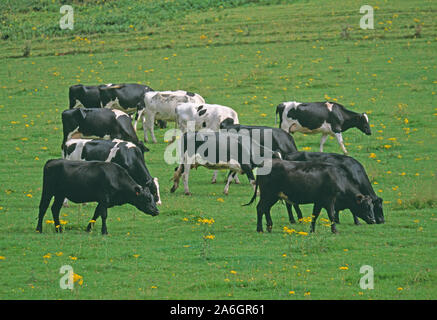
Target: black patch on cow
{"points": [[190, 94], [310, 115], [199, 108], [202, 112], [204, 125]]}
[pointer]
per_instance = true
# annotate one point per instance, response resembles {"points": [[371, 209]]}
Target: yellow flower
{"points": [[220, 200], [233, 272], [291, 292], [29, 195], [47, 256], [49, 221], [73, 258], [400, 289], [2, 258], [387, 146], [303, 233], [59, 254], [307, 293], [372, 155], [136, 255], [77, 278], [210, 236], [343, 268]]}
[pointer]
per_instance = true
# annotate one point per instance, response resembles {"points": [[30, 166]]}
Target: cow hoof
{"points": [[260, 231], [188, 193], [293, 222], [173, 189], [213, 181], [269, 228]]}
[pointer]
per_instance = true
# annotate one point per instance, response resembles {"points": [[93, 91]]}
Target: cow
{"points": [[203, 115], [106, 183], [126, 154], [356, 173], [281, 141], [301, 182], [127, 97], [101, 123], [161, 105], [328, 118], [217, 150], [85, 96]]}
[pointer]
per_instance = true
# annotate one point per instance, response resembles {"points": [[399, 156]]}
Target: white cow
{"points": [[161, 105], [204, 116]]}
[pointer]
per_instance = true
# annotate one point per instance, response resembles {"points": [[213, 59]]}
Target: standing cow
{"points": [[328, 118], [301, 182], [106, 183], [101, 123], [161, 105], [126, 154]]}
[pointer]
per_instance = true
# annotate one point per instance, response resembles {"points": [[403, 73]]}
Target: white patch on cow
{"points": [[74, 132], [329, 105], [155, 181], [113, 151], [77, 152], [118, 113], [286, 122], [78, 104], [128, 144], [295, 126], [365, 116]]}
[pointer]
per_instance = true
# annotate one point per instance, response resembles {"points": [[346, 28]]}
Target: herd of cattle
{"points": [[103, 159]]}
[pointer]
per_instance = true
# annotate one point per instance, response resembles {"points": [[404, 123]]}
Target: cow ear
{"points": [[138, 189], [359, 197]]}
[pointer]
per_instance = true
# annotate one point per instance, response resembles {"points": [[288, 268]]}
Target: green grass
{"points": [[250, 58]]}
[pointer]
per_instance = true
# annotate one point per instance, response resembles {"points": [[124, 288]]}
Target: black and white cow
{"points": [[203, 115], [126, 154], [328, 118], [101, 123], [127, 97], [161, 105], [218, 150], [301, 182], [106, 183], [85, 96], [357, 175]]}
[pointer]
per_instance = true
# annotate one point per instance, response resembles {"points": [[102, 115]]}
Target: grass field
{"points": [[250, 56]]}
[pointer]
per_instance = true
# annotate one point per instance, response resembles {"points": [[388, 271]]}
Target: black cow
{"points": [[281, 141], [300, 182], [328, 118], [219, 150], [102, 123], [126, 154], [356, 173], [106, 183], [86, 96], [128, 97]]}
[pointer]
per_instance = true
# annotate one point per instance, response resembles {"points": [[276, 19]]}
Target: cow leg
{"points": [[43, 205], [323, 140], [236, 180], [56, 208], [298, 212], [148, 124], [94, 218], [176, 178], [231, 176], [264, 207], [290, 213], [103, 212], [315, 215], [214, 177], [185, 176], [139, 116], [331, 211], [269, 220], [340, 142], [337, 217]]}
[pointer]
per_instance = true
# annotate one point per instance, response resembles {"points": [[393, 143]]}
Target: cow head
{"points": [[142, 147], [226, 123], [144, 201], [365, 208], [363, 124], [377, 209]]}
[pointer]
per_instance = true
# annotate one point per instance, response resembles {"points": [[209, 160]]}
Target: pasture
{"points": [[251, 57]]}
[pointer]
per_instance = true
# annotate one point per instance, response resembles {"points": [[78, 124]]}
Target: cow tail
{"points": [[254, 194]]}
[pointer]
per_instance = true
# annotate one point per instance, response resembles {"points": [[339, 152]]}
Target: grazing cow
{"points": [[216, 150], [328, 118], [356, 173], [85, 96], [101, 123], [204, 116], [106, 183], [300, 182], [127, 97], [161, 105], [126, 154]]}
